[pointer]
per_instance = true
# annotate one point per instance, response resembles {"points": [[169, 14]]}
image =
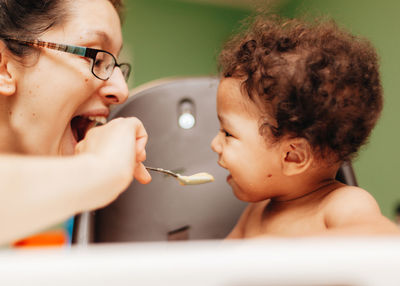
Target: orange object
{"points": [[47, 238]]}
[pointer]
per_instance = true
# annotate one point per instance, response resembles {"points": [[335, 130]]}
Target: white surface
{"points": [[328, 261]]}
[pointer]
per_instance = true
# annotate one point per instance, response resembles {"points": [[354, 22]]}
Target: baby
{"points": [[295, 101]]}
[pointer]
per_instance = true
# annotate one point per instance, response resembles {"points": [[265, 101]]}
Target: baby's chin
{"points": [[238, 192], [244, 195]]}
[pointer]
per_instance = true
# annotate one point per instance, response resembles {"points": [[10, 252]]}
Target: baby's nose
{"points": [[215, 145]]}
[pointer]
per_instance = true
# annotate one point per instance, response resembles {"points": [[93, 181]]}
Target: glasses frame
{"points": [[76, 50]]}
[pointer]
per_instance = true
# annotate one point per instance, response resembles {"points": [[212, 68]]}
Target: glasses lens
{"points": [[125, 69], [103, 65]]}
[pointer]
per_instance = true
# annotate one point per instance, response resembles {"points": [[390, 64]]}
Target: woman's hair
{"points": [[119, 6], [28, 19], [317, 82]]}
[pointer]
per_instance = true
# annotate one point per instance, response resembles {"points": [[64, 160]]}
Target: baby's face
{"points": [[254, 165]]}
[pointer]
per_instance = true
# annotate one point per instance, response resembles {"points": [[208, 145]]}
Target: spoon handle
{"points": [[168, 172]]}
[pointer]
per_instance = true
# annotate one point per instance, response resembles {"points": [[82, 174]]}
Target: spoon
{"points": [[199, 178]]}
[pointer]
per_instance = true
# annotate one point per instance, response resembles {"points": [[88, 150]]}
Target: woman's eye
{"points": [[98, 62]]}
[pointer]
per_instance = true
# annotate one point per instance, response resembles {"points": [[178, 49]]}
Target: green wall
{"points": [[164, 38], [376, 166]]}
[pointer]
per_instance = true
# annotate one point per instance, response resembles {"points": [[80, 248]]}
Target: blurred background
{"points": [[167, 38]]}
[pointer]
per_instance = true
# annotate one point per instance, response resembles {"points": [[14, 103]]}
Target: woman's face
{"points": [[60, 87]]}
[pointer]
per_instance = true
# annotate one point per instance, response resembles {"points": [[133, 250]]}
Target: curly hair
{"points": [[316, 80]]}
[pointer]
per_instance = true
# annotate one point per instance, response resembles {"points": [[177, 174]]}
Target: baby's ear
{"points": [[297, 156], [7, 81]]}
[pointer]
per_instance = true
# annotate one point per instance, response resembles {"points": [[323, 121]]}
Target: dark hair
{"points": [[317, 81], [119, 6], [27, 19]]}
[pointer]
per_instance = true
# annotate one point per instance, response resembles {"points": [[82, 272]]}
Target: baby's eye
{"points": [[227, 134]]}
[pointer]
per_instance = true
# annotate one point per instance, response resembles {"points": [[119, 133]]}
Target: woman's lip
{"points": [[228, 177]]}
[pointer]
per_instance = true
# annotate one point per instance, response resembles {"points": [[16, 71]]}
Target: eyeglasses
{"points": [[103, 62]]}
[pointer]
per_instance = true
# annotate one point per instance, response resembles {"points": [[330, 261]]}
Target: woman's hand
{"points": [[119, 150]]}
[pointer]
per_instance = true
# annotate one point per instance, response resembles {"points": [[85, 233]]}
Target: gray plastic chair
{"points": [[163, 209]]}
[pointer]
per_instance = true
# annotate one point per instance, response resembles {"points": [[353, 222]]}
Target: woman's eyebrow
{"points": [[100, 36]]}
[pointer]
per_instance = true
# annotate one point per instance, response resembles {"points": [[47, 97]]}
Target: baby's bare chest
{"points": [[291, 222]]}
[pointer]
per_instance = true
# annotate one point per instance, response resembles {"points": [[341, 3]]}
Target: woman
{"points": [[51, 97]]}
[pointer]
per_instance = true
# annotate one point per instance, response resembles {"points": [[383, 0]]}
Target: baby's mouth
{"points": [[80, 125]]}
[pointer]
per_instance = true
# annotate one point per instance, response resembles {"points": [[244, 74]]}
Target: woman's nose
{"points": [[115, 90], [215, 145]]}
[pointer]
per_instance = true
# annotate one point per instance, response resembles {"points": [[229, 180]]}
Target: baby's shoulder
{"points": [[349, 195], [349, 201]]}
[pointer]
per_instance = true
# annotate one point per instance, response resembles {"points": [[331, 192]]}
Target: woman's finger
{"points": [[141, 174]]}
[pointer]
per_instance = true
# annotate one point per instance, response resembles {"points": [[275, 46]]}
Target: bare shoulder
{"points": [[348, 203], [351, 196], [352, 210]]}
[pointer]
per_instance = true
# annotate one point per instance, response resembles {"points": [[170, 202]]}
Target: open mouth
{"points": [[80, 125]]}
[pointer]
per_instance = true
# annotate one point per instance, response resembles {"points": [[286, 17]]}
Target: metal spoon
{"points": [[199, 178]]}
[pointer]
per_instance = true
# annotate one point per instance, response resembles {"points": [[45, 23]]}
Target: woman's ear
{"points": [[297, 156], [7, 81]]}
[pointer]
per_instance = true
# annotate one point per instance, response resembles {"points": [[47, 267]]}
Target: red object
{"points": [[47, 238]]}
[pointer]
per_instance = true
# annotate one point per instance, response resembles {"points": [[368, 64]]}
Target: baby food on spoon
{"points": [[199, 178]]}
